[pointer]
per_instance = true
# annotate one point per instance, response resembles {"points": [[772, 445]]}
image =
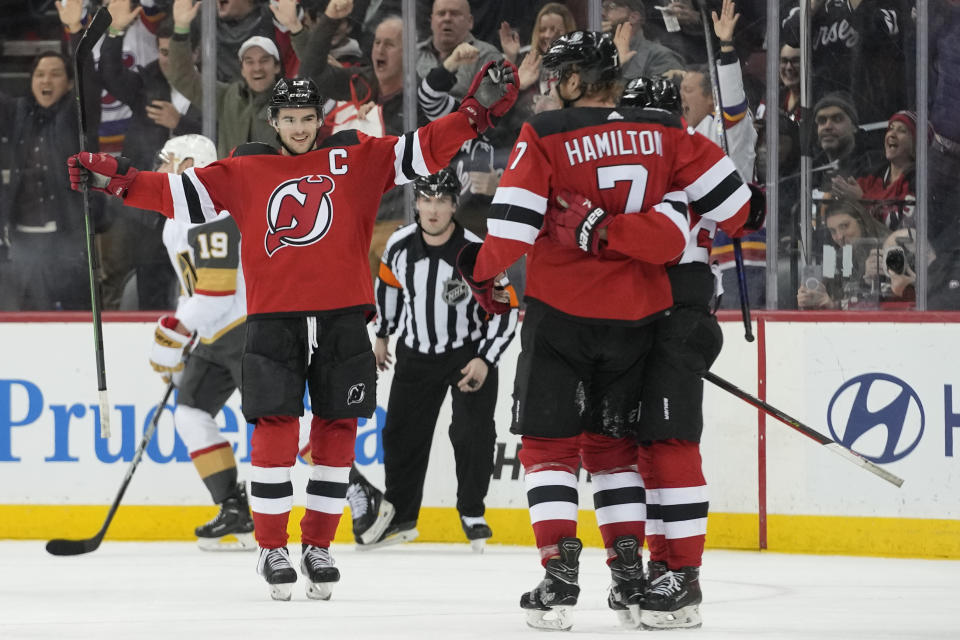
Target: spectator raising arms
{"points": [[241, 104], [40, 234], [450, 24]]}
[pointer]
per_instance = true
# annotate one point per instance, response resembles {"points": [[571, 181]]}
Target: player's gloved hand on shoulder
{"points": [[484, 291], [574, 222], [758, 212], [169, 345], [101, 172], [493, 91]]}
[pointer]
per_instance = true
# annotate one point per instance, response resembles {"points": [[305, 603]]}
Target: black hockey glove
{"points": [[758, 212]]}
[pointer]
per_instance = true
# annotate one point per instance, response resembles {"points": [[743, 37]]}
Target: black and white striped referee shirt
{"points": [[420, 293]]}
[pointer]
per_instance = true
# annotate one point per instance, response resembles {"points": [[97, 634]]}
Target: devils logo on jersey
{"points": [[299, 212]]}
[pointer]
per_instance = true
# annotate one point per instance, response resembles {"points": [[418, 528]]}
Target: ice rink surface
{"points": [[435, 592]]}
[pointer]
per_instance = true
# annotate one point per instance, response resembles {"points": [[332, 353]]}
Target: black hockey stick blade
{"points": [[63, 547], [95, 30], [813, 434]]}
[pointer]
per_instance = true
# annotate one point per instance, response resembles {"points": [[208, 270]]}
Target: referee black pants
{"points": [[420, 384]]}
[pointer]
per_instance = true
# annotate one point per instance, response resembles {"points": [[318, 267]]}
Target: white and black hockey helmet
{"points": [[192, 145], [296, 93], [442, 183]]}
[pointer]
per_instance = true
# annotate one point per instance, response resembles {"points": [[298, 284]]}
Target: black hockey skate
{"points": [[548, 604], [655, 569], [395, 533], [316, 565], [477, 533], [626, 591], [232, 529], [370, 512], [672, 601], [274, 565]]}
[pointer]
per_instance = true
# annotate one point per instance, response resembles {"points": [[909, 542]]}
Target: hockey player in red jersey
{"points": [[588, 325], [686, 342], [306, 219]]}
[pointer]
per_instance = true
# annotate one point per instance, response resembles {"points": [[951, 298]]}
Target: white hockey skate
{"points": [[274, 565], [317, 566]]}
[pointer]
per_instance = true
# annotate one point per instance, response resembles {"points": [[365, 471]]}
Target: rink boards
{"points": [[884, 385]]}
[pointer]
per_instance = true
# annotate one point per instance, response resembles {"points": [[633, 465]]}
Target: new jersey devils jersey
{"points": [[623, 160], [306, 220]]}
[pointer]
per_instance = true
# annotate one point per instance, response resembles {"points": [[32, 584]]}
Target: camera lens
{"points": [[895, 260]]}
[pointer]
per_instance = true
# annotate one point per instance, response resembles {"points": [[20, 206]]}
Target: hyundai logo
{"points": [[877, 415]]}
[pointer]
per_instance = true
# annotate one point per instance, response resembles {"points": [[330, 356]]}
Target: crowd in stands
{"points": [[145, 86]]}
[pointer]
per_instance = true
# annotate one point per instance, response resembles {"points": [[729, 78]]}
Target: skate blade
{"points": [[384, 516], [552, 619], [684, 618], [232, 542], [319, 590], [403, 536], [478, 545], [630, 617], [282, 592]]}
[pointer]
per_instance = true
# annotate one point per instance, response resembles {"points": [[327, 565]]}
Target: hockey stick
{"points": [[793, 423], [722, 132], [95, 30], [62, 547]]}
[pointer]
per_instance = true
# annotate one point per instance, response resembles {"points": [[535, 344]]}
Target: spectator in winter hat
{"points": [[836, 121], [892, 181]]}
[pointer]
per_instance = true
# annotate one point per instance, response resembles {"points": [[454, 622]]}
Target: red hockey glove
{"points": [[483, 291], [493, 91], [101, 172], [575, 222], [757, 215]]}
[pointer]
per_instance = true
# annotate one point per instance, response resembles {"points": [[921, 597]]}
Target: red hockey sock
{"points": [[273, 453], [683, 504], [618, 495], [550, 476], [332, 451]]}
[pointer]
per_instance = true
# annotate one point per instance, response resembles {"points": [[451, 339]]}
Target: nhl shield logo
{"points": [[455, 291], [299, 212]]}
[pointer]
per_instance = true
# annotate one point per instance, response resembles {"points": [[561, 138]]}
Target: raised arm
{"points": [[124, 84], [181, 73]]}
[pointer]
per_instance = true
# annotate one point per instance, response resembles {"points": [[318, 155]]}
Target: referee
{"points": [[446, 341]]}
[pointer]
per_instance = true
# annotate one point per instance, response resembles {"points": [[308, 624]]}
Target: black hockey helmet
{"points": [[590, 53], [296, 93], [651, 93], [442, 183]]}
